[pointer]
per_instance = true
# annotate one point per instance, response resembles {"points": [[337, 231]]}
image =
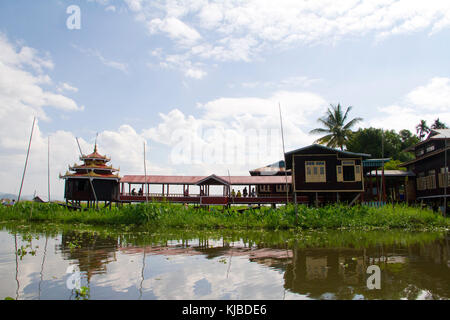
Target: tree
{"points": [[394, 165], [336, 130], [369, 140], [422, 129], [408, 139], [438, 125]]}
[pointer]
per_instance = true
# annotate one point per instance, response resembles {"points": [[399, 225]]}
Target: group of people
{"points": [[186, 193], [6, 202], [140, 192], [244, 193]]}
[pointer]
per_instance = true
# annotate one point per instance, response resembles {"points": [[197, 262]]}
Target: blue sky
{"points": [[195, 79]]}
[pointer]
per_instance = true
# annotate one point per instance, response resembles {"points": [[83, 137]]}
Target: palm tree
{"points": [[438, 125], [422, 129], [337, 131]]}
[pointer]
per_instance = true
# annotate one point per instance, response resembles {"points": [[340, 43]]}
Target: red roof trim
{"points": [[193, 180]]}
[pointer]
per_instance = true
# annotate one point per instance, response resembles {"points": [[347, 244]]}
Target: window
{"points": [[431, 179], [315, 171], [348, 171], [281, 187], [426, 182], [421, 183], [264, 188], [442, 177]]}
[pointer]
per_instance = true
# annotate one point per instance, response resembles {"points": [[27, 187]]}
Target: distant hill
{"points": [[14, 196]]}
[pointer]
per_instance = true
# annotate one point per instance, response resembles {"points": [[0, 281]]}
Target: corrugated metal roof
{"points": [[330, 149], [375, 162], [278, 166], [440, 133], [192, 180], [393, 173]]}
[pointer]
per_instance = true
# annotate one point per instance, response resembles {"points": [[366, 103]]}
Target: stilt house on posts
{"points": [[92, 181]]}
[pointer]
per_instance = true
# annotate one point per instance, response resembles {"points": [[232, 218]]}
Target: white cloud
{"points": [[181, 62], [134, 5], [290, 82], [434, 96], [107, 62], [21, 98], [427, 102], [110, 8], [237, 30], [175, 29], [237, 133], [66, 87]]}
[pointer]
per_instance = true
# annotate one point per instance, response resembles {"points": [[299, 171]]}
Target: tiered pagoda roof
{"points": [[94, 166]]}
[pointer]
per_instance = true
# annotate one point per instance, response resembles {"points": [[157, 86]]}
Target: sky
{"points": [[201, 83]]}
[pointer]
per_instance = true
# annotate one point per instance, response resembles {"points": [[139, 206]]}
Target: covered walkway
{"points": [[198, 189]]}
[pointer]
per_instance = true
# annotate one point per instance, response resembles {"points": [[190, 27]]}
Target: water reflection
{"points": [[137, 264], [91, 251]]}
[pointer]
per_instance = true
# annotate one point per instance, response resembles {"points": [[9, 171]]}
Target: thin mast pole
{"points": [[383, 182], [48, 167], [26, 160], [445, 176], [284, 152], [79, 148], [145, 174], [229, 186]]}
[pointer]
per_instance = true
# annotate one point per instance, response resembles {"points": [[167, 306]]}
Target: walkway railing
{"points": [[209, 200]]}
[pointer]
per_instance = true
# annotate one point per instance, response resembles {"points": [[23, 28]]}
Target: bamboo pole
{"points": [[48, 167], [284, 152], [26, 160], [145, 175], [79, 148]]}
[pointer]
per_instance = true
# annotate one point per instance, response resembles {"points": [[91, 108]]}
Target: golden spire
{"points": [[95, 147]]}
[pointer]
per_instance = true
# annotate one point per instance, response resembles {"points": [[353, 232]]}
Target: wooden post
{"points": [[26, 160], [295, 207], [378, 189], [48, 168]]}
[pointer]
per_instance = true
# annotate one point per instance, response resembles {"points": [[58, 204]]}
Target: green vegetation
{"points": [[369, 141], [164, 215], [336, 130], [437, 124], [422, 129]]}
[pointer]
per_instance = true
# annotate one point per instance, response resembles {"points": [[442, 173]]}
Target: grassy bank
{"points": [[163, 215]]}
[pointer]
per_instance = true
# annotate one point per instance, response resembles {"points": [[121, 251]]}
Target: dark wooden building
{"points": [[275, 169], [325, 174], [430, 167], [91, 181]]}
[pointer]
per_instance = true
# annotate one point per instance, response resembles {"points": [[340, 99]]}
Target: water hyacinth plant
{"points": [[165, 215]]}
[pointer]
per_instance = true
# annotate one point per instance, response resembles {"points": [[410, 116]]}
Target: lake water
{"points": [[44, 261]]}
